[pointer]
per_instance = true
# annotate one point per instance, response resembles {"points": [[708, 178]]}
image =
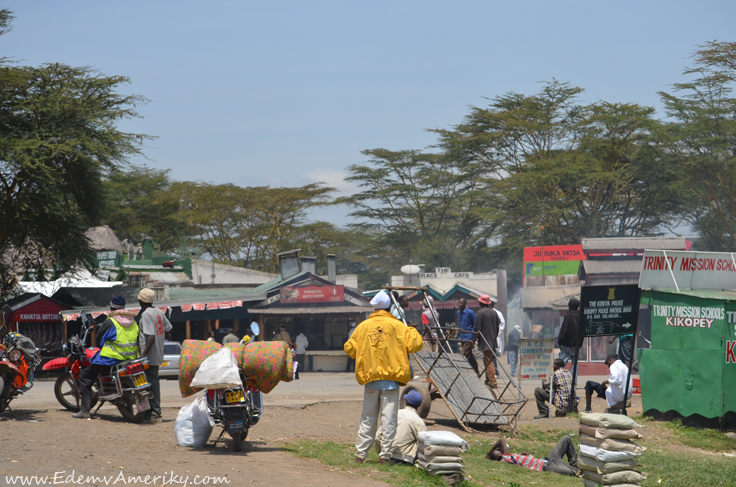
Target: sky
{"points": [[289, 93]]}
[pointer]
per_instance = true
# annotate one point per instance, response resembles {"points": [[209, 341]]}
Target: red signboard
{"points": [[554, 252], [42, 309], [312, 294]]}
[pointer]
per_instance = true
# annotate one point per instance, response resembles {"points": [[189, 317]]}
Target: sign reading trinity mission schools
{"points": [[688, 270]]}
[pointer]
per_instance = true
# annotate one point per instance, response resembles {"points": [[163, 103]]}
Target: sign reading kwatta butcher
{"points": [[688, 270], [312, 294]]}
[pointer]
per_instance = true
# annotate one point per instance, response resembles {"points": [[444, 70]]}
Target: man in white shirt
{"points": [[408, 427], [301, 350], [612, 389]]}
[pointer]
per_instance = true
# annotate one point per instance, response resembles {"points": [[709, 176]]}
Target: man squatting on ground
{"points": [[409, 425], [562, 384], [613, 389], [551, 463], [118, 342], [154, 326], [380, 346]]}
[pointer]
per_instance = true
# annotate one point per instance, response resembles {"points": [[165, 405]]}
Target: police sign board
{"points": [[609, 310], [535, 358]]}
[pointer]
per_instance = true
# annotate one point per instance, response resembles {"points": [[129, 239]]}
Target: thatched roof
{"points": [[103, 238]]}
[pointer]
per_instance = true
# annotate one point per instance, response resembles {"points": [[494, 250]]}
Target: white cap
{"points": [[381, 301]]}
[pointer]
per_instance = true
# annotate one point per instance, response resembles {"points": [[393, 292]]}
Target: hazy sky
{"points": [[288, 93]]}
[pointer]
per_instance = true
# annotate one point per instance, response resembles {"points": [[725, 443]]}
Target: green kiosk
{"points": [[690, 368]]}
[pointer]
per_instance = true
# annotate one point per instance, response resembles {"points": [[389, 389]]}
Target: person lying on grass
{"points": [[552, 463]]}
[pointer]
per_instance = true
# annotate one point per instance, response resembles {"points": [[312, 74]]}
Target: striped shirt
{"points": [[527, 461]]}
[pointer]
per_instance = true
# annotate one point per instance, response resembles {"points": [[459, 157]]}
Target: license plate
{"points": [[140, 380], [143, 405], [234, 396]]}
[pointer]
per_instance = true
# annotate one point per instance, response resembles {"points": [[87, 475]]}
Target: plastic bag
{"points": [[445, 438], [219, 371], [193, 424]]}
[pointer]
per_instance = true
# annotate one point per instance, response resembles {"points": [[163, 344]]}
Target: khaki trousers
{"points": [[375, 403], [490, 369]]}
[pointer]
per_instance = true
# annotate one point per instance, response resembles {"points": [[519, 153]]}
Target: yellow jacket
{"points": [[380, 346]]}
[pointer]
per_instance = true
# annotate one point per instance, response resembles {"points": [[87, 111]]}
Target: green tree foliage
{"points": [[139, 204], [700, 142], [416, 206], [58, 137], [247, 227]]}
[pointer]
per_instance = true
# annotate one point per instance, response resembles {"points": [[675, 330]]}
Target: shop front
{"points": [[690, 368], [322, 310], [35, 316]]}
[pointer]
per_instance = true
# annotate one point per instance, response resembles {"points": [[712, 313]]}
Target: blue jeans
{"points": [[567, 354], [512, 355]]}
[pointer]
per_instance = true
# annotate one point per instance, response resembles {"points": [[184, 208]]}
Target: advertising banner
{"points": [[688, 270], [609, 310], [555, 260], [554, 253], [312, 294], [535, 358]]}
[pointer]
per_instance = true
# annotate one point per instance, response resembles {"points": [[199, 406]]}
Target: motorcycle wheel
{"points": [[67, 393], [128, 412], [237, 441], [2, 389]]}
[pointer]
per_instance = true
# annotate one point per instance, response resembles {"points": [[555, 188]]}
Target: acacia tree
{"points": [[418, 206], [58, 137], [247, 227], [700, 140], [138, 204]]}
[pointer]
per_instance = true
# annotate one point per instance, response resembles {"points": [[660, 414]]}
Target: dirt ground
{"points": [[40, 438]]}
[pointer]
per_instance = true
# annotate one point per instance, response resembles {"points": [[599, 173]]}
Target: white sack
{"points": [[218, 371], [445, 438], [193, 424], [606, 455]]}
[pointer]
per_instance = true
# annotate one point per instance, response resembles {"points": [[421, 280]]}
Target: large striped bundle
{"points": [[608, 454]]}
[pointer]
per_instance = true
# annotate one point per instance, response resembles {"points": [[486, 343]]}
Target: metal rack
{"points": [[455, 381]]}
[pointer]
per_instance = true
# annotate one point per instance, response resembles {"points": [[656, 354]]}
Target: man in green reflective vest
{"points": [[118, 342]]}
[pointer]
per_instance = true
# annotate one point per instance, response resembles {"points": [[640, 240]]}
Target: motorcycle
{"points": [[125, 387], [236, 409], [76, 357], [18, 361]]}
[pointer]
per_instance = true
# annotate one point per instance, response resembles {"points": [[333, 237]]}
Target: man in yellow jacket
{"points": [[380, 346]]}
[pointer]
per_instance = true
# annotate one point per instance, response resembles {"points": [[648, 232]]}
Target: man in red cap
{"points": [[487, 323]]}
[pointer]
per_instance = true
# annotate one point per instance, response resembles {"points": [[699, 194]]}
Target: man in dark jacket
{"points": [[487, 323], [569, 338]]}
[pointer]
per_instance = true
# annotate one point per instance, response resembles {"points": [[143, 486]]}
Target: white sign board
{"points": [[670, 269], [535, 358]]}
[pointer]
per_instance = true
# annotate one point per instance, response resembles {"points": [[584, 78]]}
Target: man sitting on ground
{"points": [[551, 463], [562, 382], [612, 390], [408, 427]]}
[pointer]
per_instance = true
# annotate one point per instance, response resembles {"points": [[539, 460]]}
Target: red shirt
{"points": [[527, 461]]}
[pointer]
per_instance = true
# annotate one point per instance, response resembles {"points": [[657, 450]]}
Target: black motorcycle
{"points": [[235, 410]]}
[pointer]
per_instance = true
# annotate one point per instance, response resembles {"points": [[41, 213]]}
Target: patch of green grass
{"points": [[674, 467], [343, 457], [705, 439]]}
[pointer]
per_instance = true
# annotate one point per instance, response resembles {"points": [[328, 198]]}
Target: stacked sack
{"points": [[439, 453], [608, 454]]}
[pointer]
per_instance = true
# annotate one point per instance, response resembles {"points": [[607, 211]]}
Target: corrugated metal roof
{"points": [[638, 243], [610, 281], [187, 294], [311, 310], [612, 266], [550, 297]]}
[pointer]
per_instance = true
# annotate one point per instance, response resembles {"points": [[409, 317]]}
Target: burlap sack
{"points": [[610, 433], [611, 444]]}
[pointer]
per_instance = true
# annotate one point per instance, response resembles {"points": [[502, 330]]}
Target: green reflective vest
{"points": [[125, 346]]}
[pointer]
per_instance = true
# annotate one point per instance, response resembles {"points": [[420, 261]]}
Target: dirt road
{"points": [[42, 439]]}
